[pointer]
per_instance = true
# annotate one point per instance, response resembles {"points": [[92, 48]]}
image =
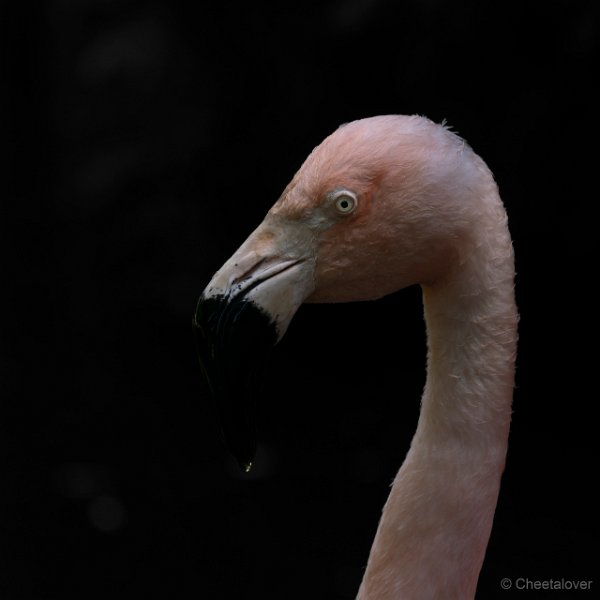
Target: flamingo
{"points": [[381, 204]]}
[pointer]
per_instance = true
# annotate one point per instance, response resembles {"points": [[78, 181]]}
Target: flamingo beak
{"points": [[243, 312], [233, 340]]}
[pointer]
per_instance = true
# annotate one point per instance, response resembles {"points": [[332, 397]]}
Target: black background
{"points": [[143, 142]]}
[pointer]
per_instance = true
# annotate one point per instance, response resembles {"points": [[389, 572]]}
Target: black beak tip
{"points": [[241, 444], [233, 339], [245, 465]]}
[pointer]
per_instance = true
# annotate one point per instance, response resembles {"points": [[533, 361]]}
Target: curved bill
{"points": [[241, 315], [233, 340]]}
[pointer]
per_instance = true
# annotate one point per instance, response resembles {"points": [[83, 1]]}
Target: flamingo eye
{"points": [[345, 202]]}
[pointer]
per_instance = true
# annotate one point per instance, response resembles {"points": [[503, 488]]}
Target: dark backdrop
{"points": [[144, 141]]}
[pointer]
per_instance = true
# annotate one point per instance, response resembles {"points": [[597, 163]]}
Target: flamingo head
{"points": [[373, 209]]}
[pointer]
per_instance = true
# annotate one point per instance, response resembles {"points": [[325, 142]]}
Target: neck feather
{"points": [[436, 523]]}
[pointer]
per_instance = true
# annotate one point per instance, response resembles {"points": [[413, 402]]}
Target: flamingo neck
{"points": [[436, 524]]}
